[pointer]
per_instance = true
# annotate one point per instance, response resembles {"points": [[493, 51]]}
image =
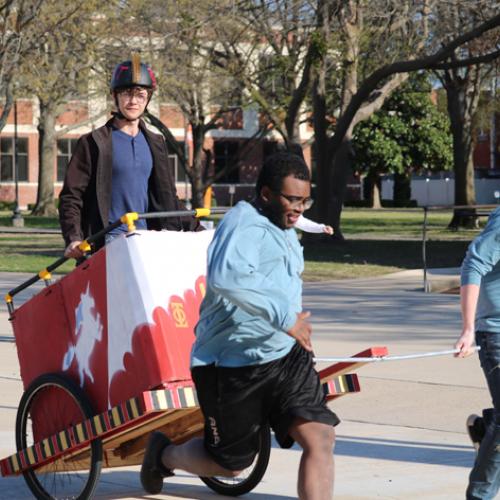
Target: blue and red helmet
{"points": [[133, 73]]}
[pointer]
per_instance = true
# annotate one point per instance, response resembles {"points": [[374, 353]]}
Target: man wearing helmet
{"points": [[120, 167]]}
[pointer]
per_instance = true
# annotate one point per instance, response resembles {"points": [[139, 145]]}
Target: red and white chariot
{"points": [[104, 359]]}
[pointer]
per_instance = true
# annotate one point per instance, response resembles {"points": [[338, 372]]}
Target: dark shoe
{"points": [[476, 430], [152, 470]]}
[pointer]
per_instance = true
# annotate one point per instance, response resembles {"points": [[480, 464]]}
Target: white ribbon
{"points": [[375, 359]]}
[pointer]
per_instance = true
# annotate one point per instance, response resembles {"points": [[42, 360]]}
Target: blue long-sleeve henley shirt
{"points": [[481, 266], [254, 292]]}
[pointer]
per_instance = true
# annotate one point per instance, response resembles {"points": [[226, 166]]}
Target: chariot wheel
{"points": [[53, 403], [250, 477]]}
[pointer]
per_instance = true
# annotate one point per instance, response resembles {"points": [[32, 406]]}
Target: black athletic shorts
{"points": [[237, 401]]}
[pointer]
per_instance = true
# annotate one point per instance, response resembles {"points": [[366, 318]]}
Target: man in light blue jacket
{"points": [[480, 302], [252, 359]]}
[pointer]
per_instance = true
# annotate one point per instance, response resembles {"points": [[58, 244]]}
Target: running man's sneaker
{"points": [[152, 470], [476, 430]]}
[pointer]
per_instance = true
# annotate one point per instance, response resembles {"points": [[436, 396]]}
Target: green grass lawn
{"points": [[30, 221], [406, 224], [31, 253], [377, 242], [385, 241], [358, 258]]}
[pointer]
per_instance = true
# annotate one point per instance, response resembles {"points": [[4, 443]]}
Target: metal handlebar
{"points": [[128, 219]]}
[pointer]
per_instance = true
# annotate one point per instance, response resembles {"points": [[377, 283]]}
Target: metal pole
{"points": [[424, 256], [17, 218], [187, 154]]}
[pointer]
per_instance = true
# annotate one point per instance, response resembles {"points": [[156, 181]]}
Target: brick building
{"points": [[232, 142], [229, 144]]}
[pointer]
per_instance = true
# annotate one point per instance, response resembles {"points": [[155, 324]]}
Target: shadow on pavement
{"points": [[405, 451]]}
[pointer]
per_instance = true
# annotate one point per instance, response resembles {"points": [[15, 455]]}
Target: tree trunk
{"points": [[371, 186], [292, 125], [197, 167], [402, 190], [320, 123], [463, 100], [7, 105], [322, 193], [47, 142], [342, 162]]}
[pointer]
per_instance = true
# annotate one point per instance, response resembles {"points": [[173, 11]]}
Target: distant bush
{"points": [[7, 205]]}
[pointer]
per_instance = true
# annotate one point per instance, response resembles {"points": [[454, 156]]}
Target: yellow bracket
{"points": [[202, 212], [45, 275], [10, 304], [84, 246], [129, 220]]}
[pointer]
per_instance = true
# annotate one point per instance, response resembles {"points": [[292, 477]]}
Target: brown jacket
{"points": [[85, 198]]}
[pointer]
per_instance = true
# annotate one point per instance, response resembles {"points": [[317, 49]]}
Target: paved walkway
{"points": [[28, 230], [402, 437]]}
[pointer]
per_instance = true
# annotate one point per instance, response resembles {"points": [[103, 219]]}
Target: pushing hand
{"points": [[73, 250], [301, 331]]}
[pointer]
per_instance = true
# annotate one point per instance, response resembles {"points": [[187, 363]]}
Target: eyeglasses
{"points": [[139, 94], [297, 201]]}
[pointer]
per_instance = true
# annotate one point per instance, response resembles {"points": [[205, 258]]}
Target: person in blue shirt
{"points": [[120, 167], [480, 305], [252, 358]]}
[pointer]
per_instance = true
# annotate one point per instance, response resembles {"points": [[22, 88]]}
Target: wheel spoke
{"points": [[250, 477], [52, 404]]}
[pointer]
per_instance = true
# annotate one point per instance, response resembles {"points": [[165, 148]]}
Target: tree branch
{"points": [[9, 101], [408, 66], [471, 61], [364, 112]]}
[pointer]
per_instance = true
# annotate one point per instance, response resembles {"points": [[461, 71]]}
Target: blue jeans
{"points": [[484, 479]]}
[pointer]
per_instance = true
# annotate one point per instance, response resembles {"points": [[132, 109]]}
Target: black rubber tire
{"points": [[57, 480], [252, 475]]}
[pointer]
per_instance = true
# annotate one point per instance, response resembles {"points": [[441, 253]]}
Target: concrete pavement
{"points": [[402, 437]]}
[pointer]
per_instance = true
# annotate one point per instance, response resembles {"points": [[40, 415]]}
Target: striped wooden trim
{"points": [[150, 402], [345, 384], [79, 435], [173, 399]]}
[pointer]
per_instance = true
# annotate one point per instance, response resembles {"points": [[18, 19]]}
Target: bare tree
{"points": [[180, 43], [361, 97], [16, 16], [271, 47], [65, 55], [464, 86]]}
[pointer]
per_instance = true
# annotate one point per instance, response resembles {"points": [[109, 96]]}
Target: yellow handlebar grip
{"points": [[129, 219], [202, 212], [8, 298], [84, 246], [45, 275]]}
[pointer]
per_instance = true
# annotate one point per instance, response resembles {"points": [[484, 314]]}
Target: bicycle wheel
{"points": [[250, 477], [51, 404]]}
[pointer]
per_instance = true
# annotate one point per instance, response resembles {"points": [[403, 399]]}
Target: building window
{"points": [[226, 158], [65, 148], [180, 174], [7, 152]]}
